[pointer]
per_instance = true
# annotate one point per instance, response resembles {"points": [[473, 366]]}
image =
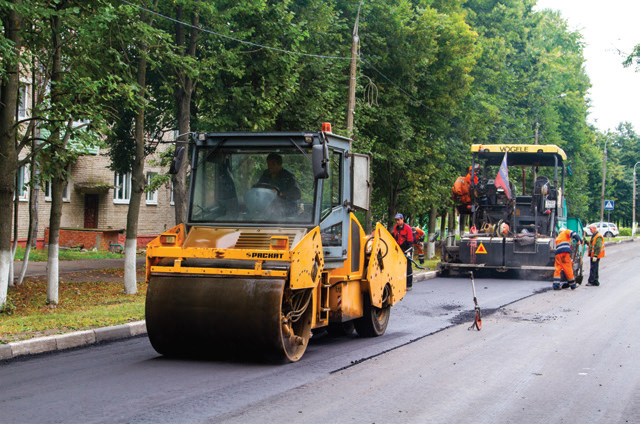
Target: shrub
{"points": [[625, 232]]}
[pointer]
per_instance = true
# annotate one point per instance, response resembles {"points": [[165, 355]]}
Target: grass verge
{"points": [[429, 264], [98, 301], [40, 255]]}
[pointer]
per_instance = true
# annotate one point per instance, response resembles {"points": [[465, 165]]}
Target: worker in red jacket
{"points": [[404, 237]]}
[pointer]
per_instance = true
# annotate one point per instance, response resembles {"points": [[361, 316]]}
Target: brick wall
{"points": [[93, 169], [95, 238]]}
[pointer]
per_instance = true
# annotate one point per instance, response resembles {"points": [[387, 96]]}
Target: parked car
{"points": [[607, 229]]}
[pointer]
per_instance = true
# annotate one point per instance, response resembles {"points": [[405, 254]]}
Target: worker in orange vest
{"points": [[563, 261], [418, 242], [462, 187], [596, 251]]}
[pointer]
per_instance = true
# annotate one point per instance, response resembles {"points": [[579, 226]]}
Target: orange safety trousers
{"points": [[563, 263]]}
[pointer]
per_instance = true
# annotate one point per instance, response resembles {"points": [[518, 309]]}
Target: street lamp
{"points": [[538, 110], [633, 218]]}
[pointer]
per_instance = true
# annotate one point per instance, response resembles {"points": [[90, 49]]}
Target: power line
{"points": [[232, 38]]}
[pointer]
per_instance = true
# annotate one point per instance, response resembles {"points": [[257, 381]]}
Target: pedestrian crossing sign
{"points": [[481, 249], [608, 205]]}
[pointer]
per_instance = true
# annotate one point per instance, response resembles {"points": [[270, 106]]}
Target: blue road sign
{"points": [[608, 205]]}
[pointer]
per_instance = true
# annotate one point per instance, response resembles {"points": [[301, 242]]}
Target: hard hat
{"points": [[503, 229], [399, 216]]}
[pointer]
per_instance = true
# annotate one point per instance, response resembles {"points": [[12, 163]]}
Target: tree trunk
{"points": [[55, 217], [137, 183], [463, 223], [58, 180], [11, 23], [182, 94], [33, 216], [452, 227], [180, 179], [14, 245], [433, 216]]}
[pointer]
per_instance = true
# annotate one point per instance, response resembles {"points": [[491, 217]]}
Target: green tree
{"points": [[70, 60], [420, 58], [11, 13], [136, 46]]}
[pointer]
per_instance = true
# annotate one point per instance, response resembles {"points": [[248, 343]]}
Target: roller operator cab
{"points": [[515, 206], [271, 250]]}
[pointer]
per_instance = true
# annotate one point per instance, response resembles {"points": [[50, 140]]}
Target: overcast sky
{"points": [[608, 27]]}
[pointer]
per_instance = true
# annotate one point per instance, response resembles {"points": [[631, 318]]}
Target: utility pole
{"points": [[351, 105], [604, 174], [633, 218]]}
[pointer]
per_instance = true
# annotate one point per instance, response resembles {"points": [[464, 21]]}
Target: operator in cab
{"points": [[275, 175]]}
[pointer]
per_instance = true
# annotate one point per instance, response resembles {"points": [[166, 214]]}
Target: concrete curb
{"points": [[424, 275], [71, 340], [629, 240]]}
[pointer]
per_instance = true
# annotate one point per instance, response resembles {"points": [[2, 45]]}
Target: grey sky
{"points": [[608, 27]]}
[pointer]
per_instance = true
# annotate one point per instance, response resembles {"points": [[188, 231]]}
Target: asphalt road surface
{"points": [[542, 356]]}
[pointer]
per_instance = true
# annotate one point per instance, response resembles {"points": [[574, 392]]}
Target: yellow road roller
{"points": [[271, 250]]}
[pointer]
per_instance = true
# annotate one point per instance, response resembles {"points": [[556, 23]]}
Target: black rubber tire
{"points": [[608, 234], [374, 321]]}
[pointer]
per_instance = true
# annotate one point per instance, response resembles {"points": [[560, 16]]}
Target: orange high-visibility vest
{"points": [[563, 242], [592, 246]]}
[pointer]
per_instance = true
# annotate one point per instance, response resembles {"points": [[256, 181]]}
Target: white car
{"points": [[607, 229]]}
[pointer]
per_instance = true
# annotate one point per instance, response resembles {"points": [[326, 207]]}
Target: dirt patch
{"points": [[469, 316], [451, 307]]}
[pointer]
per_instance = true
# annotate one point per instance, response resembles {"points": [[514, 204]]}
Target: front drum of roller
{"points": [[223, 317]]}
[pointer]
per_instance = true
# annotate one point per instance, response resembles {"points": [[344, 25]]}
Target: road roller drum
{"points": [[219, 316]]}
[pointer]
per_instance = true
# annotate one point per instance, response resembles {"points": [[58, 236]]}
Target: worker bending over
{"points": [[563, 259]]}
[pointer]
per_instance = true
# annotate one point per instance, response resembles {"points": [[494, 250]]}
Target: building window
{"points": [[152, 196], [22, 103], [47, 191], [22, 189], [172, 203], [122, 192], [66, 192]]}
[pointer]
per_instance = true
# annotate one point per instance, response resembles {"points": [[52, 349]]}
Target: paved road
{"points": [[553, 355]]}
